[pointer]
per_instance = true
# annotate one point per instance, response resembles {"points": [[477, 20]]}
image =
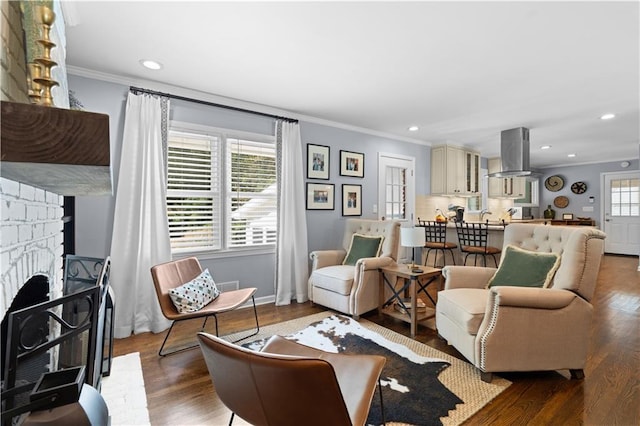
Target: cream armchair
{"points": [[507, 328], [352, 290]]}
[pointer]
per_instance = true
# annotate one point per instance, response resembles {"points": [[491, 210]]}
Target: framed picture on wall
{"points": [[320, 196], [317, 161], [351, 200], [351, 164]]}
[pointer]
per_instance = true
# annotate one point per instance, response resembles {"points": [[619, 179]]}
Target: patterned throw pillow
{"points": [[523, 268], [195, 294], [363, 246]]}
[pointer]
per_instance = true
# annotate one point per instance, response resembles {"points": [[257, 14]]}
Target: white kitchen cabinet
{"points": [[455, 171], [473, 183], [504, 187]]}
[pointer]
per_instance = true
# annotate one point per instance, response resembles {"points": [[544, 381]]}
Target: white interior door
{"points": [[396, 187], [397, 192], [621, 195]]}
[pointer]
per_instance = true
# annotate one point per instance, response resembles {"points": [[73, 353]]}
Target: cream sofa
{"points": [[507, 328], [352, 290]]}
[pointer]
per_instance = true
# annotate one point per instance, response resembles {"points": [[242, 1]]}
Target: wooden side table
{"points": [[411, 283]]}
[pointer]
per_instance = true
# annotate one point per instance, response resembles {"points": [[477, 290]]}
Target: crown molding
{"points": [[195, 94]]}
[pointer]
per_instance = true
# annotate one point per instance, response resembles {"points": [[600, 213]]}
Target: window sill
{"points": [[222, 254]]}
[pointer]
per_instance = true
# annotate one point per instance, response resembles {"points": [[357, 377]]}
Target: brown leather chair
{"points": [[169, 275], [436, 239], [292, 384]]}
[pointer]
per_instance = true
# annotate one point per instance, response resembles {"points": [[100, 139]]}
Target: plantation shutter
{"points": [[193, 191], [251, 194]]}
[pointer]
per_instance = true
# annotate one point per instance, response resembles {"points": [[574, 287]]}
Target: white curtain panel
{"points": [[292, 269], [140, 231]]}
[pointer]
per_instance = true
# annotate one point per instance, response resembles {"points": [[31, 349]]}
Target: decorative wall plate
{"points": [[561, 202], [578, 187], [554, 183]]}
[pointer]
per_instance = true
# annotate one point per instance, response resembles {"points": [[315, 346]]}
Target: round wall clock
{"points": [[554, 183], [561, 202], [578, 187]]}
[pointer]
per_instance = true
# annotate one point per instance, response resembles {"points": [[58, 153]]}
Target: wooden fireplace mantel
{"points": [[60, 150]]}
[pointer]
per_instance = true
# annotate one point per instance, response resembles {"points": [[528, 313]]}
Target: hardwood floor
{"points": [[179, 390]]}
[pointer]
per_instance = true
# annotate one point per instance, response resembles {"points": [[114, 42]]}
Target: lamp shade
{"points": [[412, 237]]}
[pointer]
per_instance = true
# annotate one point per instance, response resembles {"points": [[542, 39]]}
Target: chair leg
{"points": [[486, 377], [231, 419], [255, 313], [165, 340], [215, 317], [453, 258], [426, 258], [160, 353]]}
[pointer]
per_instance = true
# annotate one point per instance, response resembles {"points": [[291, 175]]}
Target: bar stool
{"points": [[472, 238], [436, 239]]}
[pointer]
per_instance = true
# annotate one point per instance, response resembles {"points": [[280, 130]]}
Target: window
{"points": [[478, 202], [396, 188], [625, 197], [531, 193], [221, 190]]}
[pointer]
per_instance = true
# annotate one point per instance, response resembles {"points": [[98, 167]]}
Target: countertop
{"points": [[498, 226], [493, 226]]}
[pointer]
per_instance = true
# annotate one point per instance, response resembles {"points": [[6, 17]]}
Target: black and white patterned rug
{"points": [[421, 385]]}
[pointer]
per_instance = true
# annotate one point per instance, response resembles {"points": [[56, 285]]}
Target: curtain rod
{"points": [[137, 90]]}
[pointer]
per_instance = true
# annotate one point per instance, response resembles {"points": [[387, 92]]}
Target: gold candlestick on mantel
{"points": [[35, 90], [48, 18]]}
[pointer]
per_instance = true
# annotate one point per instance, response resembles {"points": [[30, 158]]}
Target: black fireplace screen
{"points": [[81, 273], [66, 332]]}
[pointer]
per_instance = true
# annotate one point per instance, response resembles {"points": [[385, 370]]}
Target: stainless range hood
{"points": [[514, 153]]}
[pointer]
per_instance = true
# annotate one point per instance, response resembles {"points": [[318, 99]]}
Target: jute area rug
{"points": [[123, 391], [421, 385]]}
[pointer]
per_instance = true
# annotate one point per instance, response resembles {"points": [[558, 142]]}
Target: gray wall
{"points": [[94, 215], [325, 227], [587, 173]]}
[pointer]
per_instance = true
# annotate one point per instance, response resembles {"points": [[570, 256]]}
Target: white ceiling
{"points": [[461, 71]]}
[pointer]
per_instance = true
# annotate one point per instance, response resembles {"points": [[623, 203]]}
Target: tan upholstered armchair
{"points": [[353, 290], [507, 328]]}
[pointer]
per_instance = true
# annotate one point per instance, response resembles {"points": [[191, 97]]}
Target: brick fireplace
{"points": [[31, 239]]}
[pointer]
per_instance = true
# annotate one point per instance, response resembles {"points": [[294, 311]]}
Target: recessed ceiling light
{"points": [[545, 147], [152, 65], [607, 116], [413, 128], [571, 155]]}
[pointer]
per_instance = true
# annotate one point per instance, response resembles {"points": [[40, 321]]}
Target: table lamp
{"points": [[412, 237]]}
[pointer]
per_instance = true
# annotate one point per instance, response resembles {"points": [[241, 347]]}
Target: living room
{"points": [[104, 92]]}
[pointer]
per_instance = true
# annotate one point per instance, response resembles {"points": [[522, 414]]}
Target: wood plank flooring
{"points": [[179, 390]]}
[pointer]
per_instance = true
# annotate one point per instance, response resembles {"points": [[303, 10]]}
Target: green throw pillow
{"points": [[524, 268], [363, 246]]}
